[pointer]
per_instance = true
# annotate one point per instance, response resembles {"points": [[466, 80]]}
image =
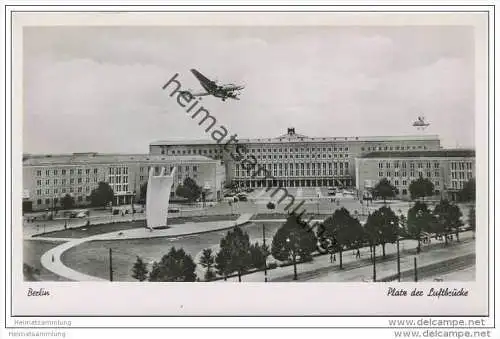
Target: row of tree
{"points": [[421, 188], [189, 190], [101, 196], [294, 241], [236, 255]]}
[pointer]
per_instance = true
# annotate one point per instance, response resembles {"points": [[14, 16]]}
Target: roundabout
{"points": [[52, 259]]}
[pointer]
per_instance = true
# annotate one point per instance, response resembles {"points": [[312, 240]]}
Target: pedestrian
{"points": [[358, 254], [334, 258], [331, 258], [52, 258]]}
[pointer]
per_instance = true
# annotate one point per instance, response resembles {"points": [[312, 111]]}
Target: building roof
{"points": [[444, 153], [99, 158], [291, 136]]}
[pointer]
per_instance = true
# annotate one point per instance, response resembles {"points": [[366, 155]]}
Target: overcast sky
{"points": [[99, 89]]}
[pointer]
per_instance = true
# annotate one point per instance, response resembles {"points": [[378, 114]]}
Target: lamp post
{"points": [[374, 260], [264, 248], [318, 203], [293, 259], [397, 249]]}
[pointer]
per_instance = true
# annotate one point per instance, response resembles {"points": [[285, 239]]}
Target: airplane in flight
{"points": [[217, 90], [420, 123]]}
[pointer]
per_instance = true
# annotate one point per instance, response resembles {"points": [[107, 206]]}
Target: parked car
{"points": [[174, 210], [231, 199], [242, 198]]}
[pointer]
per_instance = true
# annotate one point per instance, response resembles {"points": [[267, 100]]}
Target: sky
{"points": [[99, 89]]}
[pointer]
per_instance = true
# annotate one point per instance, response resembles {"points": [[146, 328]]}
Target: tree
{"points": [[472, 220], [176, 265], [447, 218], [420, 220], [143, 192], [468, 192], [270, 205], [383, 226], [222, 262], [384, 189], [421, 188], [189, 190], [235, 253], [258, 255], [102, 195], [140, 270], [341, 230], [207, 260], [67, 202], [293, 241]]}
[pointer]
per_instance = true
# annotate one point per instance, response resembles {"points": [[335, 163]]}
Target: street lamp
{"points": [[264, 248], [293, 259], [318, 202], [397, 249]]}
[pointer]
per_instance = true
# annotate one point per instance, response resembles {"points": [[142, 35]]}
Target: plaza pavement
{"points": [[361, 270], [51, 260]]}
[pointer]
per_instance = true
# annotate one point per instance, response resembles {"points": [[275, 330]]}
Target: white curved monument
{"points": [[157, 198]]}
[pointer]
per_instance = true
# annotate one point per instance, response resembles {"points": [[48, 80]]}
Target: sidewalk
{"points": [[321, 270]]}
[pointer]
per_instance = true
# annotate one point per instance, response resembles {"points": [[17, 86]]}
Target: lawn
{"points": [[87, 231]]}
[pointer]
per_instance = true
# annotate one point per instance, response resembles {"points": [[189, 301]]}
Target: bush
{"points": [[272, 265], [270, 205]]}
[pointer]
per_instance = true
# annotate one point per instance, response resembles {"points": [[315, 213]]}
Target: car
{"points": [[231, 199], [174, 210], [243, 198], [249, 190]]}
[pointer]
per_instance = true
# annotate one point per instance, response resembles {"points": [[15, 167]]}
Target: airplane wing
{"points": [[194, 94], [207, 84], [233, 88]]}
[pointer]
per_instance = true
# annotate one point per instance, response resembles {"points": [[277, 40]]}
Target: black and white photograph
{"points": [[218, 151]]}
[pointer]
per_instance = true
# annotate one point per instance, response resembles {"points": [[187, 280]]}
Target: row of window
{"points": [[395, 148], [461, 166], [157, 170], [405, 182], [117, 170], [457, 184], [119, 188], [297, 150], [56, 182], [461, 175], [301, 172], [56, 200], [118, 179], [194, 152], [302, 156], [62, 190], [303, 165], [412, 174], [55, 172], [403, 164]]}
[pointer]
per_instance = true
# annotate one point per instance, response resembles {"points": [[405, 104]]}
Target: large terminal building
{"points": [[296, 160], [289, 160]]}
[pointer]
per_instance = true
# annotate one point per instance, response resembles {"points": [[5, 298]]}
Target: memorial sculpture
{"points": [[157, 198]]}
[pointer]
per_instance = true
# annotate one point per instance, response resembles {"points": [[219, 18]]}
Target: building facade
{"points": [[447, 169], [47, 178], [295, 160]]}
